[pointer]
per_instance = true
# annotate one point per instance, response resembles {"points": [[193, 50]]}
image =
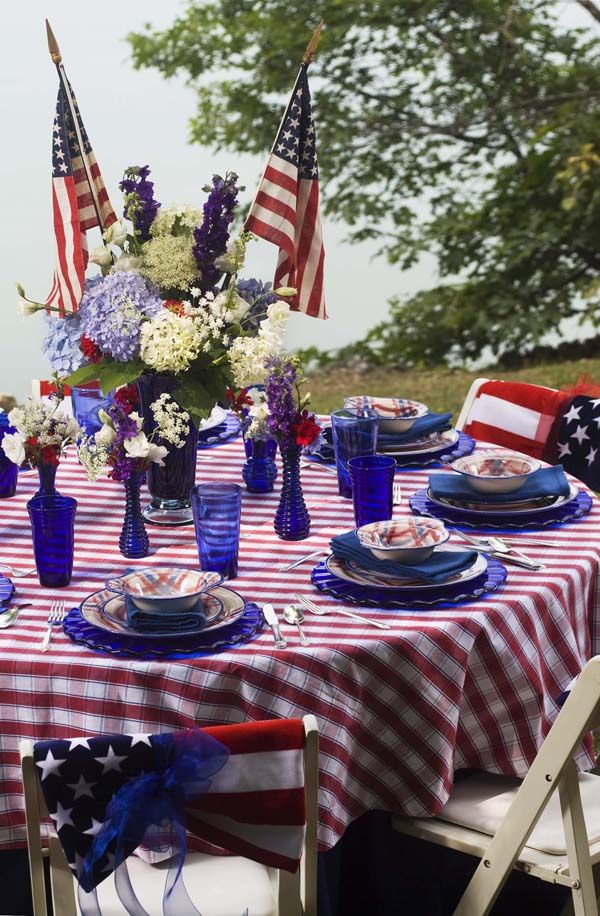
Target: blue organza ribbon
{"points": [[150, 809]]}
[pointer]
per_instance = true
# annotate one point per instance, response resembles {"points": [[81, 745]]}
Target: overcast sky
{"points": [[135, 118]]}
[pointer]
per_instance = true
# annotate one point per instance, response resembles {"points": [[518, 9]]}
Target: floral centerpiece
{"points": [[122, 451], [294, 428], [169, 310], [43, 431]]}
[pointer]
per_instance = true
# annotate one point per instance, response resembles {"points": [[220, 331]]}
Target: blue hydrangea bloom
{"points": [[61, 343], [258, 295], [111, 311]]}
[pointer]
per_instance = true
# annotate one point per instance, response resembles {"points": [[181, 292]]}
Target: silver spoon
{"points": [[9, 617], [15, 573], [295, 617]]}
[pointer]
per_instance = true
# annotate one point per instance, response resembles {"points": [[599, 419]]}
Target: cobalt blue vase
{"points": [[133, 541], [259, 471], [47, 475], [292, 521], [170, 484]]}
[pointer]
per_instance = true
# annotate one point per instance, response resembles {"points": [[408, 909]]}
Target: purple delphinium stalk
{"points": [[140, 206], [280, 390], [125, 428], [210, 239]]}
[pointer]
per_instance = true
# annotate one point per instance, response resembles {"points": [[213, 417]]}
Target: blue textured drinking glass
{"points": [[372, 488], [217, 509], [354, 434], [53, 527], [86, 401]]}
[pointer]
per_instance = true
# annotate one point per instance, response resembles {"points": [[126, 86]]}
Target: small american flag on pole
{"points": [[79, 201], [285, 210]]}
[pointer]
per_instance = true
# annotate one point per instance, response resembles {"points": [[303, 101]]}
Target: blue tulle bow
{"points": [[151, 808]]}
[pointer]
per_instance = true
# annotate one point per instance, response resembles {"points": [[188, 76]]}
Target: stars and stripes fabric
{"points": [[76, 208], [578, 446], [516, 415], [285, 210], [253, 805]]}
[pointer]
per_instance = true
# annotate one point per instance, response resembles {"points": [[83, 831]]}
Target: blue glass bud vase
{"points": [[47, 475], [133, 542], [292, 521], [260, 470]]}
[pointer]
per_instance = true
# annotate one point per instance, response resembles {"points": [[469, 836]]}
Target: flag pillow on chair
{"points": [[247, 794], [578, 446], [517, 416]]}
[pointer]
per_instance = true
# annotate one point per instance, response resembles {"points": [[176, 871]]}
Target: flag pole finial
{"points": [[311, 48], [53, 45]]}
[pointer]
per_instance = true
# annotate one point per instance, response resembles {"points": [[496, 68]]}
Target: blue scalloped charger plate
{"points": [[575, 508], [221, 433], [409, 598], [7, 590], [249, 625]]}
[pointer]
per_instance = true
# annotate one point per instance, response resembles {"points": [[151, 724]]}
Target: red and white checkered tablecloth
{"points": [[398, 710]]}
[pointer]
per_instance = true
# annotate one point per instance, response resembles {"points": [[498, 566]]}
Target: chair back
{"points": [[514, 415], [553, 769], [260, 803]]}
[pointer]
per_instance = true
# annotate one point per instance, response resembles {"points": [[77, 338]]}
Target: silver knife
{"points": [[510, 558], [271, 618]]}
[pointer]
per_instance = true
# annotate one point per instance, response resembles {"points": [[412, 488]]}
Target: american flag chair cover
{"points": [[259, 803], [578, 446], [514, 415]]}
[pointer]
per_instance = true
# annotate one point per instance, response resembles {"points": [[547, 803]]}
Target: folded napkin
{"points": [[545, 482], [437, 568], [204, 434], [165, 621], [430, 423]]}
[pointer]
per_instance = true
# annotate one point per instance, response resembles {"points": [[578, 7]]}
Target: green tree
{"points": [[483, 113]]}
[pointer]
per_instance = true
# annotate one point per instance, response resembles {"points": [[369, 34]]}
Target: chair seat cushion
{"points": [[481, 801], [217, 885]]}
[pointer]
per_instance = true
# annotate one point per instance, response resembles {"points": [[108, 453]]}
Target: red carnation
{"points": [[175, 305], [49, 455], [240, 400], [90, 350], [306, 429], [127, 398]]}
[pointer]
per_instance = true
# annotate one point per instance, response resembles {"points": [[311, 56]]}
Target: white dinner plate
{"points": [[352, 572], [523, 507], [106, 610]]}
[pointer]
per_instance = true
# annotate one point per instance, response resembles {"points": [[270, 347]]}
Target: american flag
{"points": [[285, 210], [73, 203], [578, 446]]}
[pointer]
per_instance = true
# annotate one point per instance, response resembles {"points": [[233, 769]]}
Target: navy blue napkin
{"points": [[204, 434], [437, 568], [545, 482], [430, 423], [165, 621]]}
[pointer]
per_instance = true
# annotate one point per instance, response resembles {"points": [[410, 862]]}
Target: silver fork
{"points": [[15, 573], [322, 611], [55, 617], [284, 567], [396, 494]]}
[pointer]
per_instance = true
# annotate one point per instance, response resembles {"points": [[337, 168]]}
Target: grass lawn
{"points": [[440, 389]]}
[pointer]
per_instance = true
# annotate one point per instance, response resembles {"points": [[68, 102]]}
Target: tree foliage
{"points": [[466, 128]]}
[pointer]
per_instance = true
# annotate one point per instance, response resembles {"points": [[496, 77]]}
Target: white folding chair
{"points": [[465, 410], [529, 825], [218, 885]]}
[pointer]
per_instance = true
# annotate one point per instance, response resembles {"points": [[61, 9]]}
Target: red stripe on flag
{"points": [[277, 177], [278, 807], [265, 231], [251, 737], [241, 847], [276, 206]]}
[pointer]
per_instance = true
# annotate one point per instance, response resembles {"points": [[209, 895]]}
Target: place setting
{"points": [[220, 426], [501, 489], [405, 429]]}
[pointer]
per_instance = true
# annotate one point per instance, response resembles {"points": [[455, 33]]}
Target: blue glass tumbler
{"points": [[53, 527], [86, 401], [217, 509], [354, 434], [372, 488]]}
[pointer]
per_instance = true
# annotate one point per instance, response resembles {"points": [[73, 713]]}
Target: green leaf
{"points": [[82, 375], [113, 374]]}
